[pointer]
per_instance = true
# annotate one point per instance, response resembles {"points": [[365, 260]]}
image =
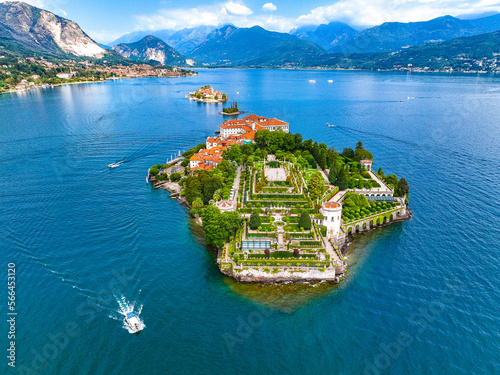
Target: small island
{"points": [[279, 208], [207, 94], [231, 111]]}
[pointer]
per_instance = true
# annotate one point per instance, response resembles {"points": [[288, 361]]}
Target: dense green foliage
{"points": [[305, 221], [217, 226], [315, 186], [214, 184], [254, 221], [353, 200]]}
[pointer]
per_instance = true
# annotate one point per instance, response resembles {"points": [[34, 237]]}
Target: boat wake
{"points": [[125, 307]]}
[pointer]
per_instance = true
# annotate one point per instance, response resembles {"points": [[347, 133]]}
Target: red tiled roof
{"points": [[254, 117], [332, 205], [273, 121], [366, 161]]}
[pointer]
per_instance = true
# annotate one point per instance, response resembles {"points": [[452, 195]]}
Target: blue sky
{"points": [[106, 20]]}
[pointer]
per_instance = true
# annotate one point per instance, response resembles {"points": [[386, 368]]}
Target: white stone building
{"points": [[367, 164], [332, 211]]}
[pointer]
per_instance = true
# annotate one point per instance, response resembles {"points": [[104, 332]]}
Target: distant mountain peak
{"points": [[151, 48]]}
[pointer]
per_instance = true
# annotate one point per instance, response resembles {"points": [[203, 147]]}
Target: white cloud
{"points": [[375, 12], [179, 18], [270, 7], [237, 9], [360, 13]]}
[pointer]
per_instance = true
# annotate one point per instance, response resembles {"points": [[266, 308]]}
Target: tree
{"points": [[322, 158], [402, 187], [210, 186], [197, 204], [218, 226], [315, 186], [154, 171], [362, 154], [332, 176], [193, 188], [305, 221], [391, 179], [359, 145], [175, 177], [348, 153], [234, 153], [254, 222], [341, 180]]}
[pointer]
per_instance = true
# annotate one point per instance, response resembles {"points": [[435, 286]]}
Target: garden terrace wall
{"points": [[265, 196], [276, 262]]}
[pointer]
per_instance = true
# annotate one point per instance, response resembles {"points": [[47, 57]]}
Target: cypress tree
{"points": [[341, 180], [305, 221], [254, 222]]}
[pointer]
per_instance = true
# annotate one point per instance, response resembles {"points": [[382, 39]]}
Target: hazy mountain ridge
{"points": [[473, 53], [326, 36], [394, 36]]}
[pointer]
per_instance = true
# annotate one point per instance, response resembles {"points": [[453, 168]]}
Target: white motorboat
{"points": [[132, 321], [114, 165], [312, 80]]}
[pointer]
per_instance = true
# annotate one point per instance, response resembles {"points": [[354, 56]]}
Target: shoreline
{"points": [[231, 114], [48, 85], [207, 100]]}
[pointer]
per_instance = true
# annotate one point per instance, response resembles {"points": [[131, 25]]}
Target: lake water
{"points": [[420, 297]]}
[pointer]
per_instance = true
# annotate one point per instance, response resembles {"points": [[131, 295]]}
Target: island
{"points": [[207, 94], [279, 208], [231, 111]]}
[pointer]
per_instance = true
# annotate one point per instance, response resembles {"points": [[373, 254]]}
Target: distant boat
{"points": [[330, 80], [114, 165], [327, 124], [133, 322], [312, 81]]}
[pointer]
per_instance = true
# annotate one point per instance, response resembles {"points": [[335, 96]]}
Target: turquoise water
{"points": [[420, 297]]}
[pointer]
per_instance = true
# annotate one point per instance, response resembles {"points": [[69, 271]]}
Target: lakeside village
{"points": [[279, 208], [23, 74]]}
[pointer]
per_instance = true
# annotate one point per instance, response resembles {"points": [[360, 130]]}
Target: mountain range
{"points": [[30, 30], [254, 46], [337, 37], [394, 36]]}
